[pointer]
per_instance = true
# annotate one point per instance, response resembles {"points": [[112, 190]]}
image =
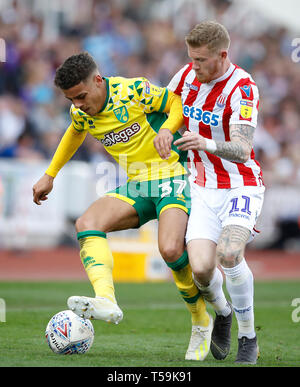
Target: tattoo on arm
{"points": [[239, 147], [231, 245]]}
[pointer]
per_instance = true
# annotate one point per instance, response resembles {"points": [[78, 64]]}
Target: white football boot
{"points": [[98, 308], [200, 341]]}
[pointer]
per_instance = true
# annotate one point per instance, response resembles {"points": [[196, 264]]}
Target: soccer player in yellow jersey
{"points": [[126, 115]]}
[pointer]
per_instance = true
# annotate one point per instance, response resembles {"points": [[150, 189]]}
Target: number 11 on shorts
{"points": [[246, 205]]}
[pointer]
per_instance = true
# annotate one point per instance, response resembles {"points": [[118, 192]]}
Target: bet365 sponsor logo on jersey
{"points": [[205, 116], [124, 135]]}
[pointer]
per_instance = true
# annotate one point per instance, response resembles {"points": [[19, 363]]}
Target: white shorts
{"points": [[212, 209]]}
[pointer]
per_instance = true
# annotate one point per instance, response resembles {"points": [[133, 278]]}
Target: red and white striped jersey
{"points": [[209, 109]]}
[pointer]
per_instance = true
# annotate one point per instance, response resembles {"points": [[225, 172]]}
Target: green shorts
{"points": [[151, 198]]}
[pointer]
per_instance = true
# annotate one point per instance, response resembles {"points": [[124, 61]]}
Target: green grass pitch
{"points": [[155, 330]]}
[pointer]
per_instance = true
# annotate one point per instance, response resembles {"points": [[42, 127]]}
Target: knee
{"points": [[203, 271], [229, 257], [171, 251], [85, 223]]}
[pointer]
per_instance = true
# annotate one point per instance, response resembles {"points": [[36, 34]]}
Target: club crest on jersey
{"points": [[246, 91], [221, 100], [122, 114]]}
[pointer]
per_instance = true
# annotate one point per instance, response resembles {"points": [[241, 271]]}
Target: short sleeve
{"points": [[244, 104], [150, 97]]}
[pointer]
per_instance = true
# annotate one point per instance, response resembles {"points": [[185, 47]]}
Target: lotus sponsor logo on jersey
{"points": [[122, 114], [124, 135], [191, 86], [205, 116], [221, 100]]}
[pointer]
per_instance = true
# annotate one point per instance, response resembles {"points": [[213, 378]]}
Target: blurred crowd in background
{"points": [[138, 38]]}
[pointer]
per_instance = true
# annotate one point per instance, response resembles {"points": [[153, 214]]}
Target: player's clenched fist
{"points": [[163, 142], [42, 188]]}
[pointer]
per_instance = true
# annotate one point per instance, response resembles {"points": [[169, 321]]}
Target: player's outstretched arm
{"points": [[164, 138], [68, 145], [71, 141]]}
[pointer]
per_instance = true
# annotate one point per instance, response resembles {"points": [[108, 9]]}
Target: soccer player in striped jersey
{"points": [[220, 105], [125, 116]]}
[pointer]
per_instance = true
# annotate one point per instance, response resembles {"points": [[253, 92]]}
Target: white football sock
{"points": [[239, 283], [213, 293]]}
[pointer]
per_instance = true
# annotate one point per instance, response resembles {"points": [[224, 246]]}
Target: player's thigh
{"points": [[108, 214], [204, 222], [172, 225], [202, 257]]}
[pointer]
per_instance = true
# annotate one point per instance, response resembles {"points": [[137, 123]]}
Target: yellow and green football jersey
{"points": [[127, 125]]}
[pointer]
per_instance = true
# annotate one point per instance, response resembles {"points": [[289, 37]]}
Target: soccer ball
{"points": [[67, 333]]}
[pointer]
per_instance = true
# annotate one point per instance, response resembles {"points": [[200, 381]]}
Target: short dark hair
{"points": [[75, 69]]}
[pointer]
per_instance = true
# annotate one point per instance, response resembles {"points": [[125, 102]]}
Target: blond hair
{"points": [[211, 34]]}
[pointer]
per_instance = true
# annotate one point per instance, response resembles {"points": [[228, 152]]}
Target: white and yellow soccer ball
{"points": [[68, 334]]}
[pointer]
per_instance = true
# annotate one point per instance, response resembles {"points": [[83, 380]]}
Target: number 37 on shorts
{"points": [[175, 187]]}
